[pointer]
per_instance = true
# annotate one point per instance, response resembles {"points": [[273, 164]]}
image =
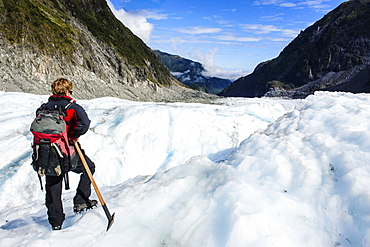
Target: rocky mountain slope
{"points": [[333, 54], [41, 40], [191, 73]]}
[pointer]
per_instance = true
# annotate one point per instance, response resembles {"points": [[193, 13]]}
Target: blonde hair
{"points": [[61, 86]]}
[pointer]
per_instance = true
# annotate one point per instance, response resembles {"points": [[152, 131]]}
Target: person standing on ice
{"points": [[77, 124]]}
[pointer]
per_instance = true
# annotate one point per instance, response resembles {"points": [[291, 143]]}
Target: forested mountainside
{"points": [[333, 54], [41, 40]]}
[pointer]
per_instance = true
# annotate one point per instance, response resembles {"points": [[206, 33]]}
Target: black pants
{"points": [[53, 187]]}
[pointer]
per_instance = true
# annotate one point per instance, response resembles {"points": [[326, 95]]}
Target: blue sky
{"points": [[230, 38]]}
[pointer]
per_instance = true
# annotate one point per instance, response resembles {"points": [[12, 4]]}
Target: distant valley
{"points": [[191, 73]]}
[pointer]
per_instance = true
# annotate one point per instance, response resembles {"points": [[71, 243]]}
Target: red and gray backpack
{"points": [[52, 154]]}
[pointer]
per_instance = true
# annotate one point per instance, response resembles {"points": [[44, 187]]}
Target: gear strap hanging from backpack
{"points": [[42, 187]]}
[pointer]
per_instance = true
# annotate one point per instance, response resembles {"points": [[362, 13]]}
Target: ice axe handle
{"points": [[106, 211]]}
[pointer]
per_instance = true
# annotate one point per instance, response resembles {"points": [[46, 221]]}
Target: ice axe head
{"points": [[110, 221]]}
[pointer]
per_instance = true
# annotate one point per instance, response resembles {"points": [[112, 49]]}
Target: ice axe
{"points": [[109, 216]]}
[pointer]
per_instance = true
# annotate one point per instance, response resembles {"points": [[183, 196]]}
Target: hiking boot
{"points": [[78, 208], [57, 228]]}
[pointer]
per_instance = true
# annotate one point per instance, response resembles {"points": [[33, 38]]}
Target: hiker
{"points": [[77, 124]]}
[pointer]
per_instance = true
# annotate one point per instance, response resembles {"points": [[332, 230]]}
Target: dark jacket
{"points": [[76, 118]]}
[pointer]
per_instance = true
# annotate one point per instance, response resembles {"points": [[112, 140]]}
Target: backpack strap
{"points": [[63, 111], [69, 104], [66, 177], [42, 187], [66, 181]]}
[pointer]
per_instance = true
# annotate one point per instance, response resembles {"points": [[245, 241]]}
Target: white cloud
{"points": [[198, 30], [266, 2], [175, 42], [289, 5], [259, 28], [229, 10], [316, 4], [152, 14], [276, 17], [280, 39], [136, 22], [223, 22], [290, 33], [208, 62], [266, 29], [230, 37]]}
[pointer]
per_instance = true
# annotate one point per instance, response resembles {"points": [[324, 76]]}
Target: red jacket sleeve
{"points": [[77, 120]]}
